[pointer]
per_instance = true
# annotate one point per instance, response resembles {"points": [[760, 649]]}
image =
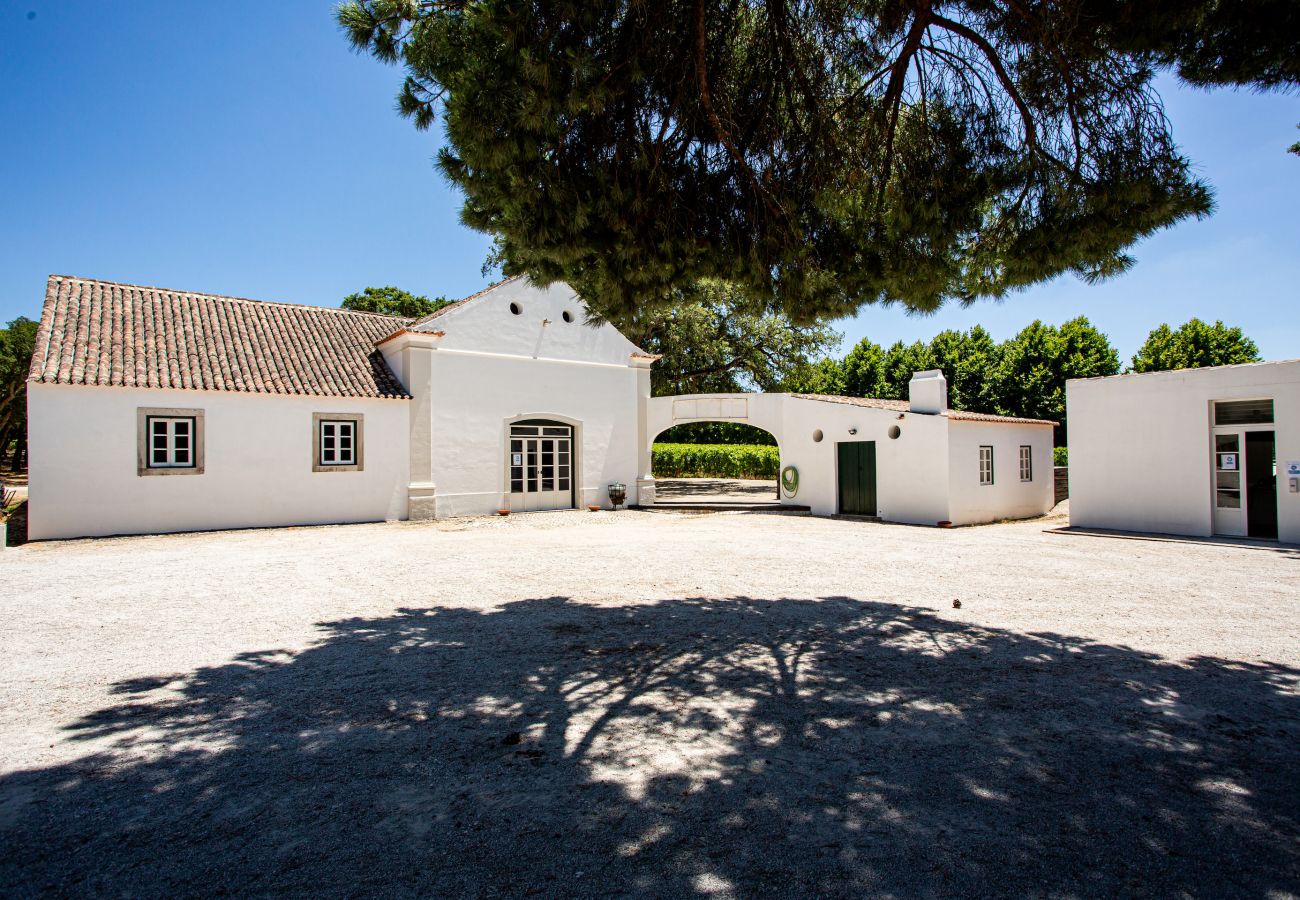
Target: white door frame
{"points": [[518, 502], [1232, 522]]}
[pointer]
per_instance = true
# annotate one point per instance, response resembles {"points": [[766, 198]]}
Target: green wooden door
{"points": [[857, 467]]}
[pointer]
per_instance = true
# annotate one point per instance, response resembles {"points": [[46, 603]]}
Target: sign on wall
{"points": [[1293, 469]]}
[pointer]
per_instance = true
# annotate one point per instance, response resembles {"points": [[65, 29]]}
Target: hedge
{"points": [[1060, 456], [715, 461]]}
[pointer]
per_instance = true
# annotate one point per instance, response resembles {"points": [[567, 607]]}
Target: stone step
{"points": [[723, 505]]}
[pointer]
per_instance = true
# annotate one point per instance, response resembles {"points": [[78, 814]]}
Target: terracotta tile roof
{"points": [[869, 402], [125, 335], [965, 415], [960, 415]]}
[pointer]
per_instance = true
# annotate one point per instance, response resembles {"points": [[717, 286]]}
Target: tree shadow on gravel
{"points": [[685, 747]]}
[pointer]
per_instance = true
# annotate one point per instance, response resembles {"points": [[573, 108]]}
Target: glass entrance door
{"points": [[1229, 511], [540, 466], [1245, 469]]}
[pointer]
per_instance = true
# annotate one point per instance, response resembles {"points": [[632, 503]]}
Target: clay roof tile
{"points": [[123, 335]]}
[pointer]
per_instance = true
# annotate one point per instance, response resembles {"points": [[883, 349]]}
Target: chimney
{"points": [[928, 392]]}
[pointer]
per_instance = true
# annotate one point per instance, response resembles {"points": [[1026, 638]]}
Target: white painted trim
{"points": [[547, 359]]}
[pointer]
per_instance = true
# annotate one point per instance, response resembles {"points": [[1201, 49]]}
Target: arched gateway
{"points": [[759, 410]]}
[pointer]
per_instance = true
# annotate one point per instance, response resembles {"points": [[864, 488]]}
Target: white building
{"points": [[913, 461], [1203, 452], [152, 410]]}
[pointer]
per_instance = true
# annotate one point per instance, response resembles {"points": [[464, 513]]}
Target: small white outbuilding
{"points": [[1213, 451], [913, 461], [155, 410]]}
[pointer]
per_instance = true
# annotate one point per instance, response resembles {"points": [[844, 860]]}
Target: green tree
{"points": [[820, 154], [825, 376], [392, 301], [862, 369], [714, 339], [1194, 345], [971, 362], [898, 365], [1037, 362], [17, 343]]}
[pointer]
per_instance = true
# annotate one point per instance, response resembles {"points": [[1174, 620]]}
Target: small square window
{"points": [[169, 441], [986, 465], [338, 438], [1026, 462]]}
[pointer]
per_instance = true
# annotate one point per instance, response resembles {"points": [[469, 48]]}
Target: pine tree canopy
{"points": [[1194, 345], [821, 154]]}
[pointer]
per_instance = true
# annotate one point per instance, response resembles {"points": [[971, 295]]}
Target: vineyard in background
{"points": [[715, 461]]}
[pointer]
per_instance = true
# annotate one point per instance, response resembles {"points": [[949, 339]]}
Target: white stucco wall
{"points": [[488, 366], [486, 325], [911, 471], [471, 418], [1141, 446], [972, 503], [257, 463]]}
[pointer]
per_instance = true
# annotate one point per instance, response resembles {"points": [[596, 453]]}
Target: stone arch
{"points": [[762, 411]]}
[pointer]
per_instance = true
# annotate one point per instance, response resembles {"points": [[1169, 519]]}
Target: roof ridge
{"points": [[456, 304], [81, 279], [969, 415], [846, 397], [491, 287], [1243, 365]]}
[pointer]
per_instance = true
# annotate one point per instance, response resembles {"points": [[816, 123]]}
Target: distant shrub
{"points": [[1060, 456], [715, 461]]}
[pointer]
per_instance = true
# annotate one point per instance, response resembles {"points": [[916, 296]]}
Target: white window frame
{"points": [[338, 442], [1026, 462], [986, 464], [319, 423], [145, 460]]}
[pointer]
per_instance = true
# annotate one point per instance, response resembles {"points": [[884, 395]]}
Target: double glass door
{"points": [[541, 466]]}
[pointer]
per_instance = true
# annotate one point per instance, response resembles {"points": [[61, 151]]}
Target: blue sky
{"points": [[242, 148]]}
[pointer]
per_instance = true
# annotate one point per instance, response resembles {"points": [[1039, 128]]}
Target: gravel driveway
{"points": [[651, 704]]}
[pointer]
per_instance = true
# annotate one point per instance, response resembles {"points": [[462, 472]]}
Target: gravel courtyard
{"points": [[649, 703]]}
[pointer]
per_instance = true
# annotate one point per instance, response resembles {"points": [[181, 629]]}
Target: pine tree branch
{"points": [[1008, 85]]}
